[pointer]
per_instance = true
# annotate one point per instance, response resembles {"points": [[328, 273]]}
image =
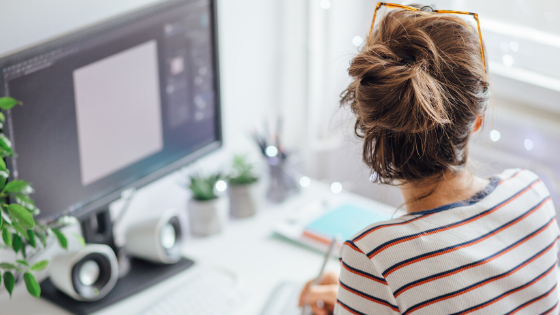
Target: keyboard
{"points": [[207, 292], [284, 300]]}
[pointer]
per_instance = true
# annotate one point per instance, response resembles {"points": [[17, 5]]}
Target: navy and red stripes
{"points": [[549, 311], [477, 240], [369, 297], [480, 283], [375, 228], [451, 272], [538, 298], [353, 246], [363, 274], [349, 309], [507, 293], [447, 227], [493, 252], [422, 214]]}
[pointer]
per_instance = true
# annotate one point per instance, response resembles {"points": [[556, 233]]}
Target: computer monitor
{"points": [[114, 106]]}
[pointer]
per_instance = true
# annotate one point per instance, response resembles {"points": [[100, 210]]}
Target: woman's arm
{"points": [[362, 289], [321, 297]]}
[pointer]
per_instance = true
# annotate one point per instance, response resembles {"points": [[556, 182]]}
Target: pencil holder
{"points": [[281, 182]]}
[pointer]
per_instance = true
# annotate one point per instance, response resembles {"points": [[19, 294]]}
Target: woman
{"points": [[467, 244]]}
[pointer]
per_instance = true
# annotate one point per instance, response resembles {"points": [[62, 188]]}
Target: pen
{"points": [[336, 239]]}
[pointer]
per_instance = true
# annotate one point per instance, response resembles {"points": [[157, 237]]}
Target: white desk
{"points": [[246, 247]]}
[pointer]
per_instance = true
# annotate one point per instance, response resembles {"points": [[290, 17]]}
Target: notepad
{"points": [[347, 219]]}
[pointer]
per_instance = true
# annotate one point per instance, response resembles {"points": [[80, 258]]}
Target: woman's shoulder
{"points": [[515, 182], [378, 233], [517, 175], [505, 187]]}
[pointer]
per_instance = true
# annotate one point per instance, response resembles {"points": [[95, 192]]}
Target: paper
{"points": [[347, 220]]}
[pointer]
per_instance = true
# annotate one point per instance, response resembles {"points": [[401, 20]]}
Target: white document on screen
{"points": [[118, 111]]}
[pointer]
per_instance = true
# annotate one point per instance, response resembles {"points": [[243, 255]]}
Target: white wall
{"points": [[262, 61], [337, 158], [26, 22], [254, 60]]}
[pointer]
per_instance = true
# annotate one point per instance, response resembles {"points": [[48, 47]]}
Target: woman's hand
{"points": [[321, 297]]}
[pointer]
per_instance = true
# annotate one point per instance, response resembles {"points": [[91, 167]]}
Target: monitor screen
{"points": [[114, 106]]}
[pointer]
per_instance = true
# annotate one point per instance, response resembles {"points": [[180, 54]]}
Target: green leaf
{"points": [[42, 239], [18, 186], [2, 120], [16, 243], [80, 239], [8, 102], [9, 281], [6, 144], [26, 202], [21, 215], [22, 262], [38, 266], [2, 163], [66, 220], [242, 171], [3, 176], [32, 286], [7, 237], [4, 153], [202, 186], [20, 230], [31, 238], [61, 238], [8, 266]]}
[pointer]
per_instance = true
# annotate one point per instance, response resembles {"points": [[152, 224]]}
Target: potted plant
{"points": [[21, 233], [207, 210], [244, 192]]}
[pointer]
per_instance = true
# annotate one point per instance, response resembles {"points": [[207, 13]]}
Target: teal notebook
{"points": [[347, 220]]}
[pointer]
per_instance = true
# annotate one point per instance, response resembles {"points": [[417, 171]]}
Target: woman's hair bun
{"points": [[419, 83]]}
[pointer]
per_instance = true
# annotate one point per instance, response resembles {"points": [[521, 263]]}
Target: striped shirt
{"points": [[494, 253]]}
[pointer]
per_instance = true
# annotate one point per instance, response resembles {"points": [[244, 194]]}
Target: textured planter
{"points": [[245, 200], [208, 217]]}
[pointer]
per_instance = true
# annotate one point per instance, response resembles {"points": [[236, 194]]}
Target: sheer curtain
{"points": [[522, 39]]}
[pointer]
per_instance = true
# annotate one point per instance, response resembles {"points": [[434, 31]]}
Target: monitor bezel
{"points": [[126, 18]]}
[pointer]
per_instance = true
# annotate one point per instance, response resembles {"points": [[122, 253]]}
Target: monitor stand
{"points": [[141, 275]]}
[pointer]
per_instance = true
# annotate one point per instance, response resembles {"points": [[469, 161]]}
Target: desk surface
{"points": [[247, 247]]}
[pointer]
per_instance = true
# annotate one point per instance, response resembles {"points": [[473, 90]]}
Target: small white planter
{"points": [[244, 200], [208, 217]]}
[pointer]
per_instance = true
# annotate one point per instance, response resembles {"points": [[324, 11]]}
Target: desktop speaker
{"points": [[86, 275], [156, 240]]}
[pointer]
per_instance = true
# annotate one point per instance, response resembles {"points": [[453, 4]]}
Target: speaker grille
{"points": [[91, 290], [175, 250]]}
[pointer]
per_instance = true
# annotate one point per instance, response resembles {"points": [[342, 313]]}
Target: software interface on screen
{"points": [[110, 108]]}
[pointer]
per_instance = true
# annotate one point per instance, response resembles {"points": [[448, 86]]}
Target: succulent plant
{"points": [[242, 171], [203, 186]]}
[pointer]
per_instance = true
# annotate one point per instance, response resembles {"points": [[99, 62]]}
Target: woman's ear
{"points": [[478, 123]]}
